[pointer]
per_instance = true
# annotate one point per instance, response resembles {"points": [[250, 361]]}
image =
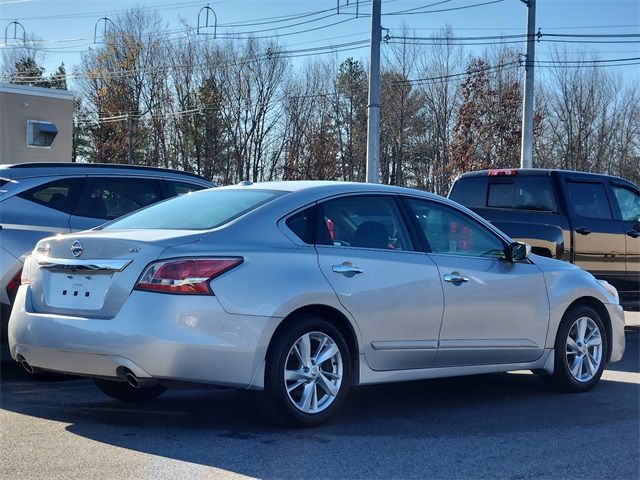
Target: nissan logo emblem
{"points": [[76, 249]]}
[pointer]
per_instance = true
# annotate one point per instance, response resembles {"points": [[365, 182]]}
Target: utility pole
{"points": [[373, 109], [526, 151], [130, 149]]}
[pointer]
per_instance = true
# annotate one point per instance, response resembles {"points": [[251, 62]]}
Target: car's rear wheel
{"points": [[127, 393], [307, 374], [580, 351]]}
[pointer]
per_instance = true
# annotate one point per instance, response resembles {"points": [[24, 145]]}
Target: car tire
{"points": [[580, 351], [307, 374], [126, 393]]}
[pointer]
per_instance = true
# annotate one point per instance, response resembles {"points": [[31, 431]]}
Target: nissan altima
{"points": [[298, 291]]}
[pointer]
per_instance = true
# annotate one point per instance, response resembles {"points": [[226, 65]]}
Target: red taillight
{"points": [[503, 172], [15, 282], [188, 276]]}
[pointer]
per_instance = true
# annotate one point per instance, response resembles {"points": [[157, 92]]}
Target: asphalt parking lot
{"points": [[490, 426]]}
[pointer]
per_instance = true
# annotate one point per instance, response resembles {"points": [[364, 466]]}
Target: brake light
{"points": [[187, 276], [16, 281], [503, 172]]}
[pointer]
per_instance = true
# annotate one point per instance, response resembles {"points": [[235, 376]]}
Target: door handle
{"points": [[583, 231], [455, 277], [633, 233], [347, 269]]}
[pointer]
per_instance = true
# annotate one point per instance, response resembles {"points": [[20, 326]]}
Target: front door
{"points": [[495, 311], [598, 239], [628, 202], [392, 291]]}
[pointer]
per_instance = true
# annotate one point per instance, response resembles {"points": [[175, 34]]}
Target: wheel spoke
{"points": [[293, 375], [581, 328], [590, 365], [293, 386], [576, 368], [331, 375], [304, 346], [325, 355], [327, 385], [307, 397], [314, 400], [594, 339], [573, 346]]}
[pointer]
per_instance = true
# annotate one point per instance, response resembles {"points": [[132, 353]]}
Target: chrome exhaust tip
{"points": [[28, 368], [132, 380], [136, 382]]}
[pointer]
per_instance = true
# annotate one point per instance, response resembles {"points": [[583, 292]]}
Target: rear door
{"points": [[393, 292], [627, 200], [495, 311], [107, 198], [598, 238]]}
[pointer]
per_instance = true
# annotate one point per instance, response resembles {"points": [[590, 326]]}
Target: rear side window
{"points": [[589, 200], [180, 188], [199, 211], [302, 224], [363, 222], [523, 193], [59, 195], [109, 198], [470, 192]]}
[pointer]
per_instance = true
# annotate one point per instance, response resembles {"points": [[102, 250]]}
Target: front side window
{"points": [[452, 232], [363, 222], [589, 200], [109, 198], [60, 195], [199, 211], [629, 202]]}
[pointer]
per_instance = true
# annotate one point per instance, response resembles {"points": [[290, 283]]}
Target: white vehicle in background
{"points": [[299, 290]]}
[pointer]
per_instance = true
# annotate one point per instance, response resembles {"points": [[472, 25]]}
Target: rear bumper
{"points": [[616, 314], [172, 337]]}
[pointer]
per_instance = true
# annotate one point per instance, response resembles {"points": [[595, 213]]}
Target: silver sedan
{"points": [[300, 290]]}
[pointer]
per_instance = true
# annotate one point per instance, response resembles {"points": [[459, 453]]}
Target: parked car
{"points": [[41, 199], [584, 218], [298, 290]]}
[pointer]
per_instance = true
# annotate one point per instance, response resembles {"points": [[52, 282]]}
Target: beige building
{"points": [[36, 124]]}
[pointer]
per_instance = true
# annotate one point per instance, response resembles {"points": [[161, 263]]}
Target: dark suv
{"points": [[588, 219], [42, 199]]}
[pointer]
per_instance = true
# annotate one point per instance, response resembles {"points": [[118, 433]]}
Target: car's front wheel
{"points": [[127, 393], [580, 351], [307, 374]]}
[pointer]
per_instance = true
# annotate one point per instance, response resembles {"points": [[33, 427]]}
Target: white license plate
{"points": [[77, 291]]}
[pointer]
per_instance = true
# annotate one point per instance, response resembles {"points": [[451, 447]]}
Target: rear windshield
{"points": [[524, 193], [196, 211]]}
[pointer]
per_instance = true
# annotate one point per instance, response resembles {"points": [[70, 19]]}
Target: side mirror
{"points": [[517, 251]]}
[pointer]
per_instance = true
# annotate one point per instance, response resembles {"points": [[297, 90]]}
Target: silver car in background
{"points": [[299, 290], [38, 200]]}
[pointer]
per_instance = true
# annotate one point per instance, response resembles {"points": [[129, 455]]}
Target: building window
{"points": [[40, 134]]}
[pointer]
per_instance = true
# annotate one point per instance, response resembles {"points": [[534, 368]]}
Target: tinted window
{"points": [[199, 211], [470, 192], [453, 232], [525, 193], [110, 198], [364, 222], [302, 224], [589, 200], [629, 203], [60, 195], [180, 188]]}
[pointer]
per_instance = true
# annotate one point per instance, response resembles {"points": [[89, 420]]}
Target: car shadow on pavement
{"points": [[220, 428]]}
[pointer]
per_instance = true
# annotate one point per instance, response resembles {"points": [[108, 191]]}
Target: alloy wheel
{"points": [[584, 349], [313, 372]]}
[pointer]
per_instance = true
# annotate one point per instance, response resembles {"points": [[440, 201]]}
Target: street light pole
{"points": [[526, 151], [373, 109]]}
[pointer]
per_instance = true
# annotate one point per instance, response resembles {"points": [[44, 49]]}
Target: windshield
{"points": [[196, 211]]}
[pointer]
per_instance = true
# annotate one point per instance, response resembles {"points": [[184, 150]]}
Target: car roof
{"points": [[40, 169], [327, 187], [524, 172]]}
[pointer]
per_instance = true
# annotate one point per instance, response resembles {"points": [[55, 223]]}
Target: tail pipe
{"points": [[137, 382]]}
